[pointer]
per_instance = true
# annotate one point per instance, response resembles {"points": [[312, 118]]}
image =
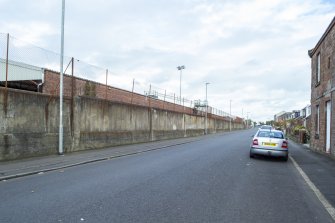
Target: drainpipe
{"points": [[39, 86]]}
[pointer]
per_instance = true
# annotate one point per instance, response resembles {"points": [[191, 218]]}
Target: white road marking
{"points": [[323, 200]]}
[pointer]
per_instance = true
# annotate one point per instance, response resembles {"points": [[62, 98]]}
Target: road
{"points": [[208, 180]]}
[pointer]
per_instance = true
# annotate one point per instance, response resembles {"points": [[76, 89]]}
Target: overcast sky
{"points": [[253, 53]]}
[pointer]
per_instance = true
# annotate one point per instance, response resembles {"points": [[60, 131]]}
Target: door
{"points": [[328, 118]]}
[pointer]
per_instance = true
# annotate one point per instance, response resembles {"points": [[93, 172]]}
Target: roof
{"points": [[312, 51], [18, 71]]}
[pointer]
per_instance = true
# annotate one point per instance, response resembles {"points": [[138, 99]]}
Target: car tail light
{"points": [[255, 142], [284, 145]]}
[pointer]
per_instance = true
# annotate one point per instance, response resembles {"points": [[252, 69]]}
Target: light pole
{"points": [[206, 110], [180, 68], [230, 115], [60, 143]]}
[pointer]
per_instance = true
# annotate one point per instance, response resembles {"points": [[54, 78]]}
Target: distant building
{"points": [[283, 116], [278, 115], [295, 114], [305, 114], [322, 92], [21, 76]]}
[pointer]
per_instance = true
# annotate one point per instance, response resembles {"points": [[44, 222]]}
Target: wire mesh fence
{"points": [[29, 67]]}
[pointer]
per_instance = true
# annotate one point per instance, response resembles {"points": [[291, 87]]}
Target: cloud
{"points": [[252, 52]]}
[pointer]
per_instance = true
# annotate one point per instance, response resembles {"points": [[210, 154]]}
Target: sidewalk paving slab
{"points": [[320, 168], [35, 165]]}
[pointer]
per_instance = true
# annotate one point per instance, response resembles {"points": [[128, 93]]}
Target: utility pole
{"points": [[60, 147], [230, 115], [206, 110], [180, 68]]}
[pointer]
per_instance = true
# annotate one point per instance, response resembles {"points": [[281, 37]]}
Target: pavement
{"points": [[36, 165], [319, 168]]}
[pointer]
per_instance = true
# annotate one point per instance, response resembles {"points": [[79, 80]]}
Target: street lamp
{"points": [[230, 115], [60, 144], [180, 68], [206, 109]]}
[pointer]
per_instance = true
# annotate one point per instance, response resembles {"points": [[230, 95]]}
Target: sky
{"points": [[252, 52]]}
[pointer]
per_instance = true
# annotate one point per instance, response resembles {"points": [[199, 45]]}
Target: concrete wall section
{"points": [[29, 124], [104, 123]]}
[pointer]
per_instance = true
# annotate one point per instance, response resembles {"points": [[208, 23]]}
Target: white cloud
{"points": [[252, 52]]}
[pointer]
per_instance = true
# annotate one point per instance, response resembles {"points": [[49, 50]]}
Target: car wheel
{"points": [[251, 155], [285, 158]]}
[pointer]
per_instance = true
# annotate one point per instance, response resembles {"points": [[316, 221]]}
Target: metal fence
{"points": [[22, 66]]}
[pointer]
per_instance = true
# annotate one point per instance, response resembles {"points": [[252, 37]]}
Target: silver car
{"points": [[269, 143], [266, 127]]}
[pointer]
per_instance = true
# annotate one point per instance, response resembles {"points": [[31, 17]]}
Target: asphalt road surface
{"points": [[209, 180]]}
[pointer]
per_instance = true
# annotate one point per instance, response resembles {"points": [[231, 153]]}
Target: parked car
{"points": [[269, 143], [266, 127]]}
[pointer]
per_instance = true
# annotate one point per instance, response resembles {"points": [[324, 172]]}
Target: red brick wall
{"points": [[322, 92]]}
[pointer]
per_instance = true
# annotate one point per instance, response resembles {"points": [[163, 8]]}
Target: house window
{"points": [[318, 64], [317, 122]]}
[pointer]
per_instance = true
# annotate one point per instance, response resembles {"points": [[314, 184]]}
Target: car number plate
{"points": [[269, 144]]}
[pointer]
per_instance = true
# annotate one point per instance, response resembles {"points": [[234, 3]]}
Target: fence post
{"points": [[149, 96], [164, 100], [132, 92], [72, 98], [106, 83], [183, 103]]}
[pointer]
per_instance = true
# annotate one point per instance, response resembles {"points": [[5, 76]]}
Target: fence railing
{"points": [[23, 65]]}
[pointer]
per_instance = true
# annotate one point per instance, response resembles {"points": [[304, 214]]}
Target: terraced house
{"points": [[322, 92]]}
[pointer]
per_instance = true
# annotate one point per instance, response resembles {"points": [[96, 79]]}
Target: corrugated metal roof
{"points": [[20, 71]]}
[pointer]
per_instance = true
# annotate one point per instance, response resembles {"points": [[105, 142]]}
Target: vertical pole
{"points": [[7, 60], [230, 115], [60, 148], [150, 96], [106, 84], [164, 95], [164, 100], [180, 69], [206, 110], [183, 104], [132, 92], [72, 96], [72, 67], [6, 85], [180, 86]]}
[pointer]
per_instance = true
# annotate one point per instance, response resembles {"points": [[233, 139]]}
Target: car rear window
{"points": [[269, 134]]}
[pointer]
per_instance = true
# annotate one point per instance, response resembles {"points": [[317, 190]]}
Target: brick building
{"points": [[322, 92]]}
